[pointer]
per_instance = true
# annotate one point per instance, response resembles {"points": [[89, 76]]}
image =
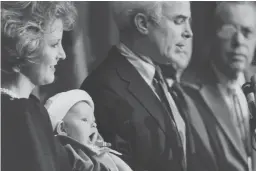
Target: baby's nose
{"points": [[94, 125]]}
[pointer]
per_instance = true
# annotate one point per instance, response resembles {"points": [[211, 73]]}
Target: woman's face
{"points": [[41, 70]]}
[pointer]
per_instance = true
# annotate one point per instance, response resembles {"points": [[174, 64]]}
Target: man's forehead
{"points": [[240, 14], [175, 8]]}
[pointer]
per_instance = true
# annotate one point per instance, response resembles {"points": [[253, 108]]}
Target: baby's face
{"points": [[80, 123]]}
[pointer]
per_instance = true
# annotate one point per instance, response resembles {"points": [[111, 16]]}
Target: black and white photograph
{"points": [[128, 86]]}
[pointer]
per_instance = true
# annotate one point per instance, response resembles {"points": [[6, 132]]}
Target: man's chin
{"points": [[181, 66], [238, 65]]}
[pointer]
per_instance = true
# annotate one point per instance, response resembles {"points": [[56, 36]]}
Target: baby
{"points": [[72, 117]]}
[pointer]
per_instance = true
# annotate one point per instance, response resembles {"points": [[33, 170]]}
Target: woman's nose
{"points": [[62, 54]]}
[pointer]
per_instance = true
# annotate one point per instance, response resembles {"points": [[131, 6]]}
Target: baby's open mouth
{"points": [[91, 136]]}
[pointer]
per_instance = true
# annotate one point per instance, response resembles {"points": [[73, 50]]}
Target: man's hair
{"points": [[220, 9], [23, 25], [124, 12]]}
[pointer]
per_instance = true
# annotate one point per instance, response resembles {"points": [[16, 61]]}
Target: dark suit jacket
{"points": [[230, 152], [131, 117]]}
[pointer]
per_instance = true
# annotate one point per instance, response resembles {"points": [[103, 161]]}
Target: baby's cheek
{"points": [[93, 130]]}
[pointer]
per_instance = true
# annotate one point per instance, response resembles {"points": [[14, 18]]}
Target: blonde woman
{"points": [[31, 34]]}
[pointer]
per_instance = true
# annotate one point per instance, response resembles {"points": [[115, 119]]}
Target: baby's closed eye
{"points": [[85, 119]]}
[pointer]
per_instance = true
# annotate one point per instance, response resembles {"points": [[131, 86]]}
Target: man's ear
{"points": [[141, 23]]}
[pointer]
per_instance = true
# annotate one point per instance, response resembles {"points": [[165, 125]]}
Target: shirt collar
{"points": [[143, 64], [224, 81]]}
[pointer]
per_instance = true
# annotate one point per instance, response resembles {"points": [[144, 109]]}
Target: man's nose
{"points": [[238, 38], [187, 31]]}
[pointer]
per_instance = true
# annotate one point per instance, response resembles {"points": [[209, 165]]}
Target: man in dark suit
{"points": [[217, 92], [134, 107]]}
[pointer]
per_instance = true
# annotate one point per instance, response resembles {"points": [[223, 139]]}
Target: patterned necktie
{"points": [[161, 89], [240, 122], [238, 117]]}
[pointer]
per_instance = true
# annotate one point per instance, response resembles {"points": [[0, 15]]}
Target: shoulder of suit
{"points": [[192, 81], [191, 85], [195, 79]]}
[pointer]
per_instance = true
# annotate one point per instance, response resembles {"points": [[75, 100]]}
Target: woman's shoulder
{"points": [[8, 102], [11, 105], [13, 110], [25, 113]]}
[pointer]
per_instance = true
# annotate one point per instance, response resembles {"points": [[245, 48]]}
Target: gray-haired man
{"points": [[134, 109], [218, 94]]}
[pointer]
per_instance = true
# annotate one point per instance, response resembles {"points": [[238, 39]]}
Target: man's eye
{"points": [[226, 31], [55, 45], [247, 33], [179, 21]]}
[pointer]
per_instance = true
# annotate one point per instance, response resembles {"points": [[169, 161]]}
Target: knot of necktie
{"points": [[169, 72]]}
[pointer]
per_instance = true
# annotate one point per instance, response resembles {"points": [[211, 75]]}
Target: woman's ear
{"points": [[141, 23], [61, 129]]}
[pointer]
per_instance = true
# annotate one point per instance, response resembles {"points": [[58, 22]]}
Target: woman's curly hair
{"points": [[23, 25]]}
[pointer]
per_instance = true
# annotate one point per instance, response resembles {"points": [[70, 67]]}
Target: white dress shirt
{"points": [[224, 84]]}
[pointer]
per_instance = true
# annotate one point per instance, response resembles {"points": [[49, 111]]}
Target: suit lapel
{"points": [[185, 107], [181, 102], [196, 123], [141, 91], [221, 113], [150, 102]]}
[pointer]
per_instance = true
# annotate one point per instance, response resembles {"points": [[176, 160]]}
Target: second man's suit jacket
{"points": [[229, 150], [131, 117]]}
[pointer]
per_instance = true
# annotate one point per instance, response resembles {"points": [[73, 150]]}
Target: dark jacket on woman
{"points": [[28, 143]]}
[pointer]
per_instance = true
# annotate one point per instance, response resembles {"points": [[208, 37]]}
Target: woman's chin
{"points": [[48, 81]]}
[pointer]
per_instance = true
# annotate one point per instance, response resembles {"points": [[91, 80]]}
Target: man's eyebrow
{"points": [[176, 16], [181, 16]]}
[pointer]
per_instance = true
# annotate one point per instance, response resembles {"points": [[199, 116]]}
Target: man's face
{"points": [[236, 38], [171, 38]]}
